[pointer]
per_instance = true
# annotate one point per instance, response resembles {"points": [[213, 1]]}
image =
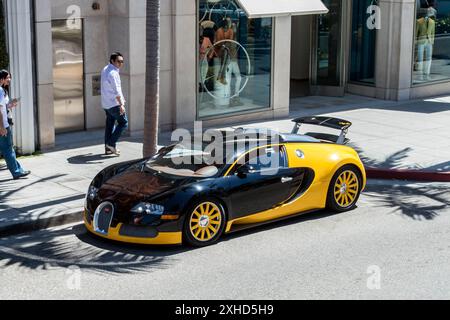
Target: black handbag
{"points": [[10, 120]]}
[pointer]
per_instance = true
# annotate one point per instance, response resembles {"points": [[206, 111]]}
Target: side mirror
{"points": [[245, 170]]}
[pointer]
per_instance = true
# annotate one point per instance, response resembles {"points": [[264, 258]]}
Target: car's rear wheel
{"points": [[205, 223], [345, 189]]}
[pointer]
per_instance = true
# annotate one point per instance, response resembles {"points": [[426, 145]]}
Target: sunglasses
{"points": [[121, 61]]}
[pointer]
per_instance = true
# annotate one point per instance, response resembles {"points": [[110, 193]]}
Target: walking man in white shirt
{"points": [[113, 103]]}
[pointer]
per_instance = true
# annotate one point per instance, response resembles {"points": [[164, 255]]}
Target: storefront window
{"points": [[235, 59], [362, 67], [329, 45], [432, 41]]}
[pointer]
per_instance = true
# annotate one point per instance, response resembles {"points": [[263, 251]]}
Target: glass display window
{"points": [[431, 41], [234, 60], [363, 47]]}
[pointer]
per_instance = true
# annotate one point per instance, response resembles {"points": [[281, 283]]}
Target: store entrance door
{"points": [[68, 75], [327, 76]]}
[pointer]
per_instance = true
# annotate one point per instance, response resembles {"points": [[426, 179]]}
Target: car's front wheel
{"points": [[345, 189], [205, 223]]}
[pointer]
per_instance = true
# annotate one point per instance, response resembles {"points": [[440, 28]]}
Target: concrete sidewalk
{"points": [[407, 135]]}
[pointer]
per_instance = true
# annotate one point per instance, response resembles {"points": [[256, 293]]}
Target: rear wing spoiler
{"points": [[333, 123]]}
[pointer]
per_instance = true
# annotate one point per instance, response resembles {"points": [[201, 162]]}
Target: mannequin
{"points": [[207, 34], [229, 59], [425, 33]]}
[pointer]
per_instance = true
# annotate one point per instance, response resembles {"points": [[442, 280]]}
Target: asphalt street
{"points": [[395, 245]]}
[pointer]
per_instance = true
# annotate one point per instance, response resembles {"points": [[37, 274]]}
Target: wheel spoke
{"points": [[345, 201], [342, 202], [345, 177], [351, 199], [214, 230], [208, 233], [216, 216]]}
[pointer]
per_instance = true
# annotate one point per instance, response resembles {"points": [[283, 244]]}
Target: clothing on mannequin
{"points": [[425, 36], [228, 52], [206, 54], [225, 32]]}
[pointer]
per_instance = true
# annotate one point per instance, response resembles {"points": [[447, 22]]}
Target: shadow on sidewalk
{"points": [[397, 160], [312, 105], [9, 187], [90, 159]]}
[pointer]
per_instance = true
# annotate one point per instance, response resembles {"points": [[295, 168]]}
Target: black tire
{"points": [[345, 189], [205, 223]]}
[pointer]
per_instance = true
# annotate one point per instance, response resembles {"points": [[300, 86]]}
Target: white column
{"points": [[281, 65], [21, 68]]}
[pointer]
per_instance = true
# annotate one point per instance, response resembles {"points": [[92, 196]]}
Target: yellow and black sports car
{"points": [[195, 194]]}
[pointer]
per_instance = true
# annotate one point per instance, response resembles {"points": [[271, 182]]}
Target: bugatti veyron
{"points": [[193, 195]]}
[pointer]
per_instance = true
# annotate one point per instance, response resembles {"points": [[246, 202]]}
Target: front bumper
{"points": [[116, 234]]}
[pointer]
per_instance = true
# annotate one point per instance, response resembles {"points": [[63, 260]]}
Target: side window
{"points": [[265, 159]]}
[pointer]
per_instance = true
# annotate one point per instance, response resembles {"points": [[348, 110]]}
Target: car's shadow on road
{"points": [[75, 247], [301, 218]]}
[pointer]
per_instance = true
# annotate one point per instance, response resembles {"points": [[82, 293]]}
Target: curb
{"points": [[41, 224], [412, 175]]}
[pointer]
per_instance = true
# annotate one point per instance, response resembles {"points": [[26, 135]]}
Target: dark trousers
{"points": [[113, 132]]}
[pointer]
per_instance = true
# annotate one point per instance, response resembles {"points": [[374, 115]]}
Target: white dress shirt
{"points": [[111, 87]]}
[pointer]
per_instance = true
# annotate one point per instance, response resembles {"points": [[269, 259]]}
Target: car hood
{"points": [[136, 184]]}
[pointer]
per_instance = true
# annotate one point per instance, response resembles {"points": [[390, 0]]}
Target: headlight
{"points": [[148, 209], [92, 193]]}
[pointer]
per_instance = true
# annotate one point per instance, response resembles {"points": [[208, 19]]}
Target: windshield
{"points": [[182, 161]]}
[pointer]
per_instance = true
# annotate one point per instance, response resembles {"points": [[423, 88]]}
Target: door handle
{"points": [[286, 179]]}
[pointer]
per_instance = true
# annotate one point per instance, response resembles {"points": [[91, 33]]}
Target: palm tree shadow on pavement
{"points": [[416, 201], [74, 247]]}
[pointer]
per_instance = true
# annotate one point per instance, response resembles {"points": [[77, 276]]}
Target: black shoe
{"points": [[22, 175], [114, 151], [108, 152]]}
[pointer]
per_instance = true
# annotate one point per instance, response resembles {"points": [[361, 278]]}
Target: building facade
{"points": [[222, 61]]}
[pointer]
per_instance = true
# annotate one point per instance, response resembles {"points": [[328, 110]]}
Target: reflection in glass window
{"points": [[432, 41], [329, 44], [362, 68], [235, 59]]}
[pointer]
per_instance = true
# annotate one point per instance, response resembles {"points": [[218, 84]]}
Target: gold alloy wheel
{"points": [[206, 221], [346, 189]]}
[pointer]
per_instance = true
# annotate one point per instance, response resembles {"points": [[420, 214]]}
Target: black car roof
{"points": [[266, 136]]}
